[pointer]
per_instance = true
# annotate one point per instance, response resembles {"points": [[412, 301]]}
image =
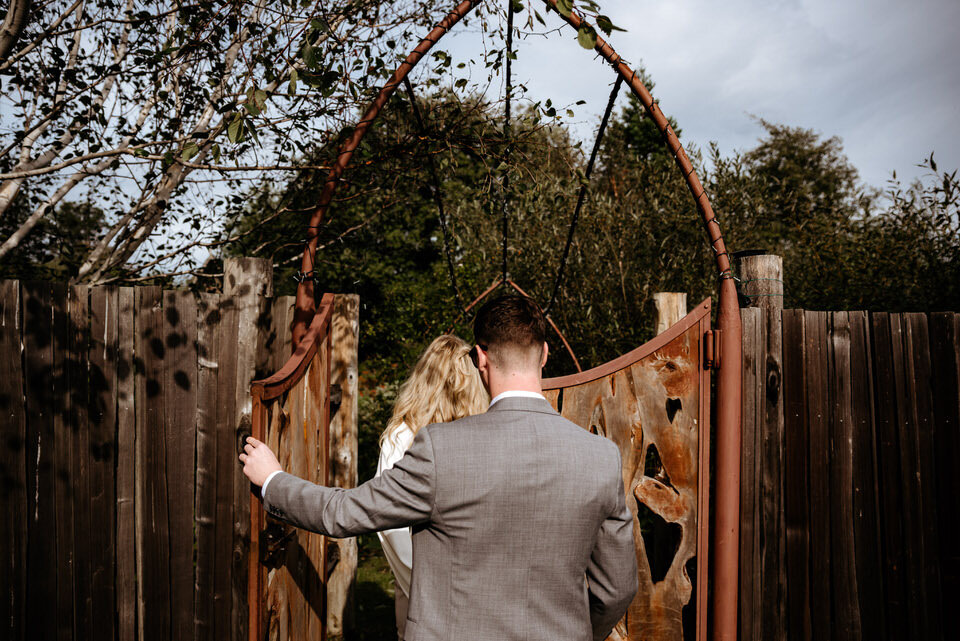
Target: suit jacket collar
{"points": [[523, 404]]}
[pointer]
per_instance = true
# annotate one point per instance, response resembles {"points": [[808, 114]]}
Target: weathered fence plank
{"points": [[127, 373], [889, 472], [945, 384], [208, 356], [343, 456], [796, 477], [64, 442], [13, 470], [918, 388], [816, 371], [102, 417], [866, 509], [179, 390], [845, 621], [75, 417], [38, 313], [152, 505], [750, 457]]}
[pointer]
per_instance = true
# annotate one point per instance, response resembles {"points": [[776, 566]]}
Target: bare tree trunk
{"points": [[13, 25]]}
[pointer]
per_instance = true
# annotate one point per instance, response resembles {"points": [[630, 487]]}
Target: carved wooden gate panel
{"points": [[654, 404], [291, 414]]}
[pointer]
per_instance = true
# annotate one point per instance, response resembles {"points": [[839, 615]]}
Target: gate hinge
{"points": [[711, 349]]}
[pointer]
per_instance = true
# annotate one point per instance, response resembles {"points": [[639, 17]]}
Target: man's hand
{"points": [[259, 461]]}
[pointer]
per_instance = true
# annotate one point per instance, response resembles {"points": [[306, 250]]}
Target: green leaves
{"points": [[587, 36], [309, 55], [565, 7], [190, 150], [606, 25], [235, 129]]}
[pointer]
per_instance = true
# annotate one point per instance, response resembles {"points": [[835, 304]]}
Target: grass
{"points": [[374, 596]]}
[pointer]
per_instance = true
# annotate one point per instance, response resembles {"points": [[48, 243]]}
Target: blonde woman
{"points": [[443, 387]]}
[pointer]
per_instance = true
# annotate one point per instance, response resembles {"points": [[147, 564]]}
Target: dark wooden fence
{"points": [[123, 510], [850, 500]]}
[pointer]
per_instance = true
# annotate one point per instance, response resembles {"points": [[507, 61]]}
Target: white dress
{"points": [[397, 544]]}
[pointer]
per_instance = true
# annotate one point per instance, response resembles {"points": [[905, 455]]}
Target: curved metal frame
{"points": [[724, 574]]}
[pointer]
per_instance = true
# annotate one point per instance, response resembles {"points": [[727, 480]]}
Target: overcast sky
{"points": [[883, 75]]}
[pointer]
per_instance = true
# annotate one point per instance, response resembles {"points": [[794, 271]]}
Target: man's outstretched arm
{"points": [[400, 497], [612, 573]]}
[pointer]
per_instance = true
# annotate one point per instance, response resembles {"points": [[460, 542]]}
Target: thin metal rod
{"points": [[437, 195], [305, 303], [507, 133], [581, 197]]}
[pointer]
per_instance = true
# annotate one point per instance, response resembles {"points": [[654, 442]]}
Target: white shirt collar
{"points": [[517, 394]]}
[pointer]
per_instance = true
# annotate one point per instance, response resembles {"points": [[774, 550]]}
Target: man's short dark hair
{"points": [[510, 322]]}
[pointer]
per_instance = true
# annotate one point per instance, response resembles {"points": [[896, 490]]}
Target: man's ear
{"points": [[546, 352]]}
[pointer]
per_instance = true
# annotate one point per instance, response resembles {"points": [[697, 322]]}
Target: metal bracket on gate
{"points": [[711, 349]]}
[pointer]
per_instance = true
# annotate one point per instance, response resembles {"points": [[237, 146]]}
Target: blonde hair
{"points": [[443, 386]]}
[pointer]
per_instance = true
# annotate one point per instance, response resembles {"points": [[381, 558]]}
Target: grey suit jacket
{"points": [[520, 528]]}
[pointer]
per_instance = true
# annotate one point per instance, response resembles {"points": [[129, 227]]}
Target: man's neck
{"points": [[515, 382]]}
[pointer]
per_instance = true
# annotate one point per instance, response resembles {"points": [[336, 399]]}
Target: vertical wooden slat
{"points": [[13, 470], [102, 421], [226, 464], [908, 480], [248, 281], [179, 390], [889, 474], [866, 509], [945, 384], [818, 424], [63, 462], [126, 589], [918, 375], [153, 518], [796, 477], [208, 355], [752, 413], [845, 622], [343, 459], [75, 370], [41, 508]]}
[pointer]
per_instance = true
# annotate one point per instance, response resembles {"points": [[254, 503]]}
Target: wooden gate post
{"points": [[343, 459], [671, 307], [762, 540], [247, 281]]}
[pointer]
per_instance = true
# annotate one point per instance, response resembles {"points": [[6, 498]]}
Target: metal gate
{"points": [[654, 403]]}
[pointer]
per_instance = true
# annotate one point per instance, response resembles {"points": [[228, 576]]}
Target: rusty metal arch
{"points": [[724, 571]]}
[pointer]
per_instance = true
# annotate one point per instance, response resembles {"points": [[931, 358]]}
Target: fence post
{"points": [[247, 281], [762, 561], [671, 307], [343, 459]]}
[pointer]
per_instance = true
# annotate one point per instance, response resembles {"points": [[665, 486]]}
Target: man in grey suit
{"points": [[520, 528]]}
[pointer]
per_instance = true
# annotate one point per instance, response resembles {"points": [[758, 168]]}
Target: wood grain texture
{"points": [[889, 473], [796, 476], [750, 462], [208, 357], [179, 390], [102, 422], [126, 462], [345, 328], [13, 469], [671, 307], [845, 620], [866, 491], [818, 428], [945, 383], [247, 281], [38, 321], [76, 381], [152, 499]]}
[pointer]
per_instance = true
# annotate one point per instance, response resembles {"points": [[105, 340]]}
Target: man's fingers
{"points": [[254, 442], [248, 448], [243, 458]]}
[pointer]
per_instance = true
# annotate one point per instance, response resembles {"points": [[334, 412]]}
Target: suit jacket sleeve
{"points": [[401, 496], [612, 572]]}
